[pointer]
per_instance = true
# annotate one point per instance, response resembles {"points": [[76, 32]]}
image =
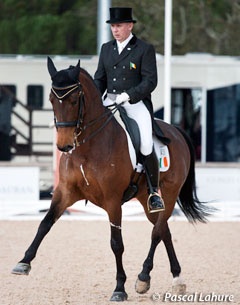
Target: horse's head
{"points": [[67, 100]]}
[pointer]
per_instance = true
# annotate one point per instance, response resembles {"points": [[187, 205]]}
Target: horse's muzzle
{"points": [[66, 148]]}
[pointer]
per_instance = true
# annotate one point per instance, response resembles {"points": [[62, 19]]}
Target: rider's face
{"points": [[121, 31]]}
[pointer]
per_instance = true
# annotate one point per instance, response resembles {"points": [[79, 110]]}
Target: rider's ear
{"points": [[51, 68]]}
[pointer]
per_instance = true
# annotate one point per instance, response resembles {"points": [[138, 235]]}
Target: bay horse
{"points": [[95, 165]]}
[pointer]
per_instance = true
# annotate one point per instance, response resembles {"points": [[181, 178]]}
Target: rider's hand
{"points": [[122, 98]]}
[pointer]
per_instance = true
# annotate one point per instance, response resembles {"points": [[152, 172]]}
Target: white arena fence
{"points": [[132, 211], [19, 196]]}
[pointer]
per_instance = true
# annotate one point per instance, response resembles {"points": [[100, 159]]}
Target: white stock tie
{"points": [[120, 48]]}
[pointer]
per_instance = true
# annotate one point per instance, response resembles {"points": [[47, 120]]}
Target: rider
{"points": [[127, 70]]}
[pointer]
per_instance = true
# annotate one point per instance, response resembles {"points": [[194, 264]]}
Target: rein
{"points": [[78, 143], [78, 123]]}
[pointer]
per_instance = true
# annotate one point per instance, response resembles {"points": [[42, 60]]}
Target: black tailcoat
{"points": [[134, 71]]}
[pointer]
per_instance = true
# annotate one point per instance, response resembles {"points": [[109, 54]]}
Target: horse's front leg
{"points": [[56, 210], [117, 246]]}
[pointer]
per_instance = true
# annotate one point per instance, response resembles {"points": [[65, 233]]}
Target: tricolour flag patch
{"points": [[132, 66]]}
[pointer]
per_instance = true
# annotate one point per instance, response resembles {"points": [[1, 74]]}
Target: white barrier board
{"points": [[19, 183], [218, 184], [19, 196]]}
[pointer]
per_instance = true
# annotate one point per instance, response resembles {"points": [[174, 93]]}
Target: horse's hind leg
{"points": [[178, 285], [24, 266], [143, 282], [161, 232]]}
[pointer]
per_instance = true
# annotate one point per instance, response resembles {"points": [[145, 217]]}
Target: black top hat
{"points": [[120, 15]]}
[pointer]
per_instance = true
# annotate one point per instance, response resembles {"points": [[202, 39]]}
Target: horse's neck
{"points": [[94, 104], [93, 98], [100, 124]]}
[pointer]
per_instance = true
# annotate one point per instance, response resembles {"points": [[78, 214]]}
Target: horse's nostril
{"points": [[66, 148]]}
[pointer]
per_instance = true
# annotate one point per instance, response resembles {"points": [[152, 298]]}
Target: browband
{"points": [[71, 88]]}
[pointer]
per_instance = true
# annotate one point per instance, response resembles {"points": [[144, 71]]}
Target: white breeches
{"points": [[141, 115]]}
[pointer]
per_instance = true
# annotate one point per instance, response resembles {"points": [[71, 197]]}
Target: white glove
{"points": [[122, 98]]}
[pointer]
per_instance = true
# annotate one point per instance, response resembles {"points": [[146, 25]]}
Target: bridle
{"points": [[78, 124], [69, 89]]}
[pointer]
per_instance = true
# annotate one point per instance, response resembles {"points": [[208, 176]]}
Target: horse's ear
{"points": [[51, 68], [74, 73], [77, 69]]}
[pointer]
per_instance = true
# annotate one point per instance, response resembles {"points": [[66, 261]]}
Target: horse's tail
{"points": [[188, 201]]}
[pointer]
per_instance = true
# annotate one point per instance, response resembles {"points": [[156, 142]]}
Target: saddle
{"points": [[133, 131]]}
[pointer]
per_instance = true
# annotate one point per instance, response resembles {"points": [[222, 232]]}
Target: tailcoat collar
{"points": [[126, 51]]}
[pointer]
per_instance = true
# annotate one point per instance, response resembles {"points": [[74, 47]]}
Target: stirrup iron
{"points": [[157, 209]]}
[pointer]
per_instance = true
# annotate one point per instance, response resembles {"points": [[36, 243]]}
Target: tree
{"points": [[47, 27], [70, 27]]}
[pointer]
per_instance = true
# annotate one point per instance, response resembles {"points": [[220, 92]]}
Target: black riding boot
{"points": [[155, 201]]}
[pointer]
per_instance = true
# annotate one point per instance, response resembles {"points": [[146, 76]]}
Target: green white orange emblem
{"points": [[132, 66]]}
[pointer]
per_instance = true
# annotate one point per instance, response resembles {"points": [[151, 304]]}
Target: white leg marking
{"points": [[178, 285], [115, 226]]}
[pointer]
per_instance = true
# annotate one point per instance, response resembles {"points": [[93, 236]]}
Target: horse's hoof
{"points": [[178, 286], [142, 287], [119, 296], [21, 269]]}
